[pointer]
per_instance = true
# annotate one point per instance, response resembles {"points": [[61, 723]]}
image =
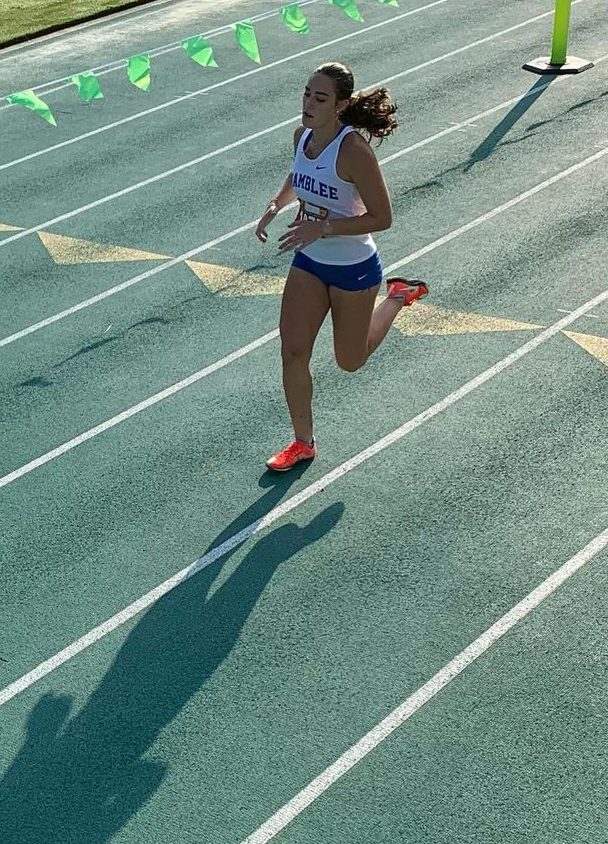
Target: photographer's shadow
{"points": [[79, 777]]}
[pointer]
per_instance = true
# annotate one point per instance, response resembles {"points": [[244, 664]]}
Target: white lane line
{"points": [[278, 512], [170, 47], [478, 221], [425, 693], [138, 185], [563, 311], [137, 408], [485, 40], [256, 135], [109, 67], [224, 82], [262, 68], [209, 88], [111, 197], [110, 423], [248, 138], [129, 283], [247, 226]]}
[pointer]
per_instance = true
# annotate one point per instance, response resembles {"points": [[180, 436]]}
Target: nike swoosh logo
{"points": [[321, 168], [361, 277]]}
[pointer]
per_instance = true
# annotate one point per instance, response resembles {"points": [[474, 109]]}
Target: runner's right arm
{"points": [[281, 199]]}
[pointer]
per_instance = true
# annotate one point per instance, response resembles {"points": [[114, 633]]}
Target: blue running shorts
{"points": [[360, 276]]}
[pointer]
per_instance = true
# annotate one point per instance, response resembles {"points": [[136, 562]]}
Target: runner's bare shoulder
{"points": [[355, 154]]}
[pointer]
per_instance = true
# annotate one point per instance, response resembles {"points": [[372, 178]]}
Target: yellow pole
{"points": [[561, 25]]}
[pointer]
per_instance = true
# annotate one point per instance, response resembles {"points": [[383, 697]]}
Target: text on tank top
{"points": [[323, 195]]}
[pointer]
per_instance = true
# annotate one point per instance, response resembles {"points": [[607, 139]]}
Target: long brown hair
{"points": [[371, 111]]}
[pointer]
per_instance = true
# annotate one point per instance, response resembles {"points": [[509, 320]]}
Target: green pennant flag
{"points": [[138, 71], [29, 100], [349, 7], [199, 51], [88, 86], [294, 19], [245, 36]]}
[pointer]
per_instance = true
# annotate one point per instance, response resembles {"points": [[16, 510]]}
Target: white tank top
{"points": [[324, 195]]}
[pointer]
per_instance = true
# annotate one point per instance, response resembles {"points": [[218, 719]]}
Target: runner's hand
{"points": [[302, 233], [268, 216]]}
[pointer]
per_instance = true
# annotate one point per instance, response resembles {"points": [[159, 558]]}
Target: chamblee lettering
{"points": [[310, 184]]}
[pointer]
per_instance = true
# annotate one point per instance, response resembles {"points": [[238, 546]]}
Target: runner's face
{"points": [[319, 105]]}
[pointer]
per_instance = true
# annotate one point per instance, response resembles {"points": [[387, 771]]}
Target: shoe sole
{"points": [[293, 465], [420, 285]]}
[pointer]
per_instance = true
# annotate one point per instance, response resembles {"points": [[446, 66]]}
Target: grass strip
{"points": [[24, 19]]}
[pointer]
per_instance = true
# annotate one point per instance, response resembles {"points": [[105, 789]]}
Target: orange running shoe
{"points": [[409, 291], [292, 455]]}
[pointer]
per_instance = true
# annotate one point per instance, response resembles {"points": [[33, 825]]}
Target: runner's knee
{"points": [[350, 362], [295, 350]]}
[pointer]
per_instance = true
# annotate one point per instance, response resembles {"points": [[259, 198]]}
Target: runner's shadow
{"points": [[81, 775], [489, 144]]}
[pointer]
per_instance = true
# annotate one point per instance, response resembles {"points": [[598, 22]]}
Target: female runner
{"points": [[343, 198]]}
